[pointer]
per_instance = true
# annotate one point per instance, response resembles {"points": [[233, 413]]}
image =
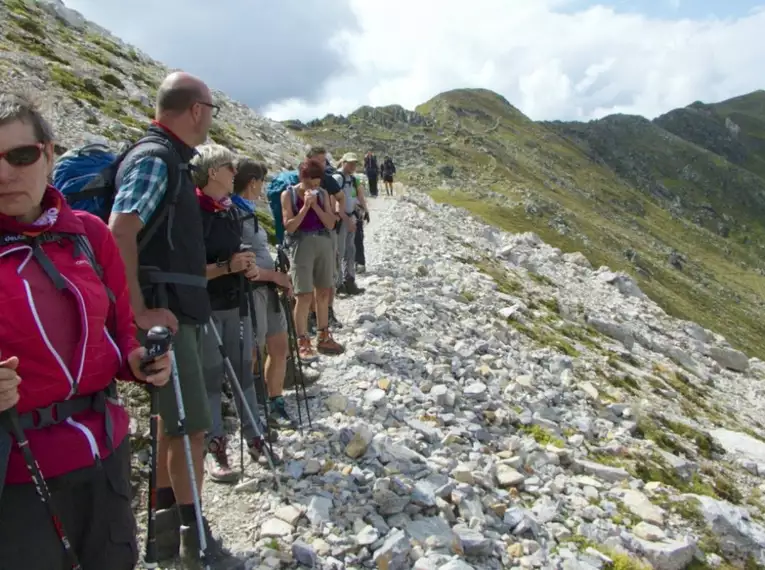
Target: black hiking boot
{"points": [[332, 321], [353, 289], [278, 418], [310, 375], [218, 558], [168, 532], [341, 290]]}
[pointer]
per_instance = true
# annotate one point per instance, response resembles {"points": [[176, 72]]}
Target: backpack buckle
{"points": [[44, 417]]}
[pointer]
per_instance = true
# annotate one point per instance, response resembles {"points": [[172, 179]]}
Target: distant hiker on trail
{"points": [[307, 214], [346, 244], [372, 171], [388, 170], [270, 321], [168, 287], [227, 268], [66, 333]]}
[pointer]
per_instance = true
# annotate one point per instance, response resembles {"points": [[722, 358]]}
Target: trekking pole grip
{"points": [[158, 341]]}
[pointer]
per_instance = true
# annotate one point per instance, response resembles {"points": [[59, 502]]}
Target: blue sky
{"points": [[553, 59]]}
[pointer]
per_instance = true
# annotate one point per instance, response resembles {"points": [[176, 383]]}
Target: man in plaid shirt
{"points": [[156, 198]]}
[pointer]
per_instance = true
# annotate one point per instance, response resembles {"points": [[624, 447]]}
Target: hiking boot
{"points": [[218, 557], [312, 323], [168, 533], [278, 418], [325, 344], [257, 449], [341, 290], [310, 375], [306, 352], [352, 289], [332, 320], [217, 463]]}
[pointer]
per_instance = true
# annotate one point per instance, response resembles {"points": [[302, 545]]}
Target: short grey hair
{"points": [[22, 107], [209, 156]]}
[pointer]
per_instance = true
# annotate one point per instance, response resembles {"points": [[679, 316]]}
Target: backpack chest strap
{"points": [[59, 412]]}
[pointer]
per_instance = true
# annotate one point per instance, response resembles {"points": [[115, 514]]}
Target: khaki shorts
{"points": [[187, 346], [269, 315], [313, 263]]}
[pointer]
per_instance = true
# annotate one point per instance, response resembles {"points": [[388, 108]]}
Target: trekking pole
{"points": [[283, 264], [11, 417], [295, 355], [158, 341], [245, 406], [190, 464]]}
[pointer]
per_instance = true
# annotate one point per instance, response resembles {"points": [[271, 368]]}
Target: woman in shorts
{"points": [[308, 217]]}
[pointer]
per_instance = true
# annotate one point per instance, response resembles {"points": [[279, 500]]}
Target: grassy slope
{"points": [[504, 162]]}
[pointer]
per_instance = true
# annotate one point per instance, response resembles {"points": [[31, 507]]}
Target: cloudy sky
{"points": [[553, 59]]}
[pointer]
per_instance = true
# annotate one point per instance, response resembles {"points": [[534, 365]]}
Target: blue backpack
{"points": [[79, 175]]}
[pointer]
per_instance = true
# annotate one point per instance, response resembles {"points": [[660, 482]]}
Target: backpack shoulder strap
{"points": [[293, 196], [175, 171]]}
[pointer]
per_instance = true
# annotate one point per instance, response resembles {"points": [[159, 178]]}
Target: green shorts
{"points": [[313, 263], [187, 346]]}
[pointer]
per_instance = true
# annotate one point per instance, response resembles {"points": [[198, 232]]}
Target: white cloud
{"points": [[550, 60]]}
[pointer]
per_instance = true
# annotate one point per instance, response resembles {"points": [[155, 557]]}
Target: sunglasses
{"points": [[215, 108], [25, 155]]}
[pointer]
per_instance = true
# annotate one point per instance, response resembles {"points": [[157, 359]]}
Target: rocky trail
{"points": [[503, 405]]}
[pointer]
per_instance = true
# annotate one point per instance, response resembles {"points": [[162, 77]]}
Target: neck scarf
{"points": [[51, 208], [243, 204], [209, 204]]}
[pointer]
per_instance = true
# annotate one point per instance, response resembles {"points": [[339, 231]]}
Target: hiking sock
{"points": [[165, 498], [188, 515]]}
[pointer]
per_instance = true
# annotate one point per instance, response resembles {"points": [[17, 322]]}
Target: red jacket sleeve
{"points": [[121, 321]]}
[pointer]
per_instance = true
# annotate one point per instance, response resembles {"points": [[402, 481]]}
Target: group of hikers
{"points": [[159, 246]]}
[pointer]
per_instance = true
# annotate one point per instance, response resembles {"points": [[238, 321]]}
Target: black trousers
{"points": [[94, 505], [358, 239], [372, 185]]}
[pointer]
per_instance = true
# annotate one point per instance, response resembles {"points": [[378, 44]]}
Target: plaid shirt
{"points": [[144, 183]]}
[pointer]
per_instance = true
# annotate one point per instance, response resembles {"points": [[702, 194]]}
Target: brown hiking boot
{"points": [[217, 461], [306, 351], [325, 344]]}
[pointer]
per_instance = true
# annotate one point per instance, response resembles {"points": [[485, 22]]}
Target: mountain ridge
{"points": [[629, 193]]}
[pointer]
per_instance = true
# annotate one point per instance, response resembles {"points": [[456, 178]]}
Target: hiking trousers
{"points": [[358, 239], [94, 505], [228, 324], [372, 185], [346, 254]]}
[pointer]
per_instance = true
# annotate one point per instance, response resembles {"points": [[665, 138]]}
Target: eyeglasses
{"points": [[25, 155], [215, 108]]}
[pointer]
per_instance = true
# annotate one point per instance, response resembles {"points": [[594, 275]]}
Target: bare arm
{"points": [[213, 270], [291, 219], [125, 228], [362, 197], [340, 206]]}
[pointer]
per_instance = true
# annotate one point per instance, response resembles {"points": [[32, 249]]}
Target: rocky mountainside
{"points": [[677, 202]]}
